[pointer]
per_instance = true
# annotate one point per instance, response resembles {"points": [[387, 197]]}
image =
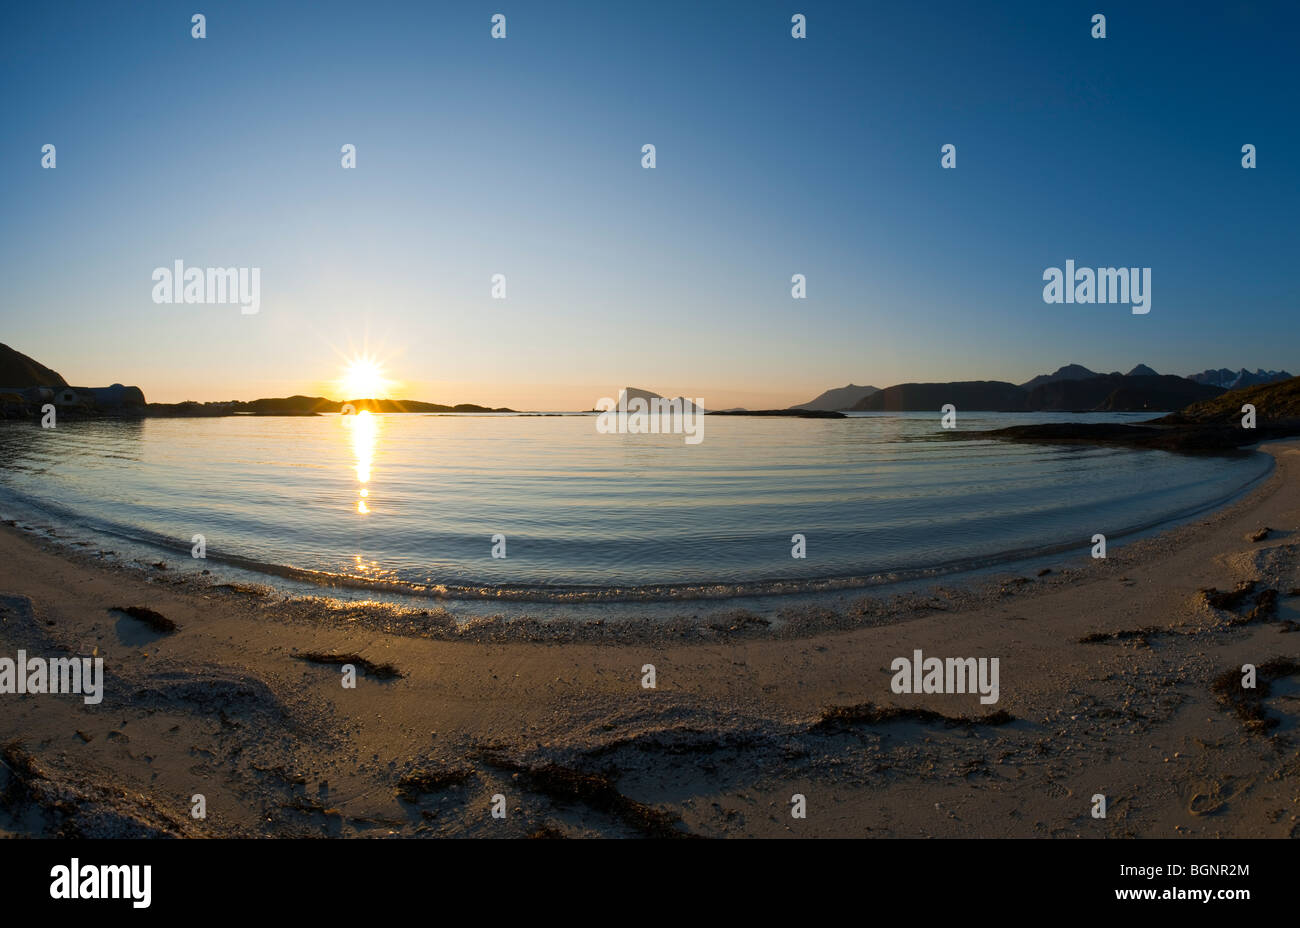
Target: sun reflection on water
{"points": [[365, 435]]}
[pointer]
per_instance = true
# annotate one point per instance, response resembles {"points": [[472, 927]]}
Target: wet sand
{"points": [[1108, 674]]}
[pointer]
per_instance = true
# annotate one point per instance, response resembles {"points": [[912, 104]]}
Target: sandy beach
{"points": [[1107, 686]]}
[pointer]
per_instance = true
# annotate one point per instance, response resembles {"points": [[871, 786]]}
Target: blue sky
{"points": [[522, 156]]}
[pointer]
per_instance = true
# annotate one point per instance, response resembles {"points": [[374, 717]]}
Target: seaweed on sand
{"points": [[27, 786], [547, 832], [1141, 635], [155, 620], [22, 771], [1263, 608], [839, 717], [1230, 602], [565, 784], [380, 671], [1248, 704], [420, 782]]}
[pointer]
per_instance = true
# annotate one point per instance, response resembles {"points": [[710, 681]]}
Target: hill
{"points": [[1069, 372], [1098, 393], [1119, 393], [839, 398], [994, 395], [1275, 403], [18, 370], [1161, 391]]}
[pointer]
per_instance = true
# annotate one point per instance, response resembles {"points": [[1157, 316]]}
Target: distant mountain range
{"points": [[25, 384], [1079, 372], [1072, 388], [1098, 393], [1119, 393], [1223, 377], [1236, 380]]}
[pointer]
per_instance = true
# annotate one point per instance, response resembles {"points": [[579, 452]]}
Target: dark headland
{"points": [[1209, 425]]}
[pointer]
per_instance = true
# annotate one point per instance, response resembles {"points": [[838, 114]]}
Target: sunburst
{"points": [[363, 379]]}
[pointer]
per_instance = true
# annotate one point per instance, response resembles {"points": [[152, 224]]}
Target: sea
{"points": [[545, 508]]}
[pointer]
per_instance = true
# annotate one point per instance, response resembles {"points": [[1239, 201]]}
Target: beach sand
{"points": [[555, 719]]}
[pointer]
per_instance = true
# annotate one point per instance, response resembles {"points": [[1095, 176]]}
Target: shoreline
{"points": [[547, 604], [1108, 676]]}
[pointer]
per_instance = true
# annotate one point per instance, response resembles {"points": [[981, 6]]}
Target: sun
{"points": [[363, 379]]}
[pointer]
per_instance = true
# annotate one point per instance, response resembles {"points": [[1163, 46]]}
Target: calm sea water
{"points": [[414, 500]]}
